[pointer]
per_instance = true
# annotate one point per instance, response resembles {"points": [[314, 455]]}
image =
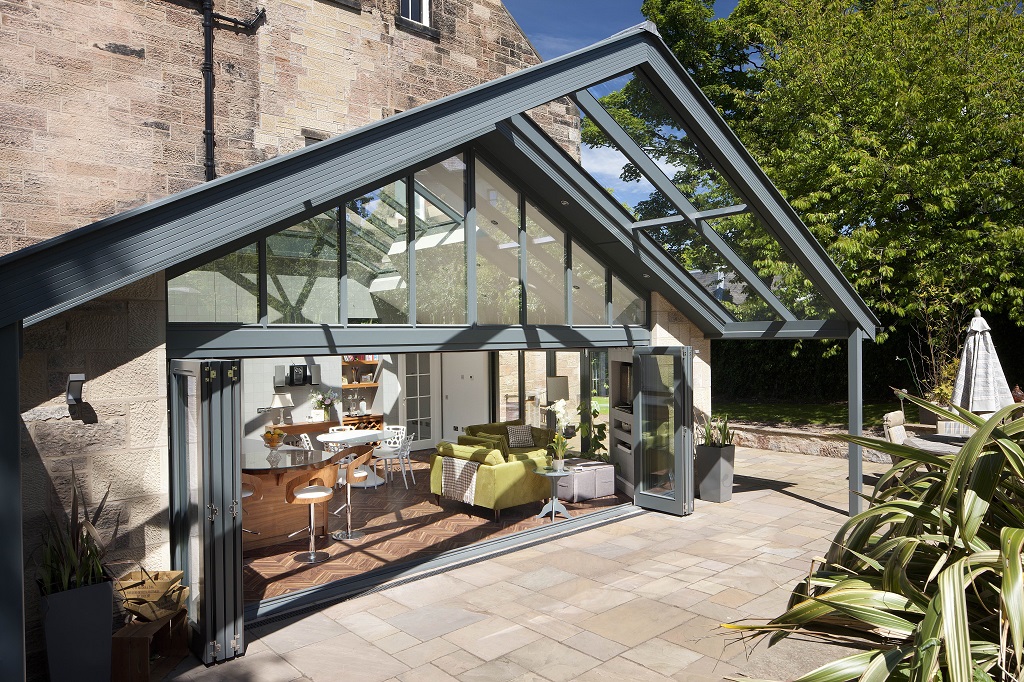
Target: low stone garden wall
{"points": [[808, 440]]}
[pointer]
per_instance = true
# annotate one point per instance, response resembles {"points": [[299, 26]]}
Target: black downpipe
{"points": [[207, 68], [208, 18]]}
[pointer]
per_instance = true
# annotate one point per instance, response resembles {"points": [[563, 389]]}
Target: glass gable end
{"points": [[400, 254]]}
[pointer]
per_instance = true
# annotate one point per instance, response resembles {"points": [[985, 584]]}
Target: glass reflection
{"points": [[377, 256]]}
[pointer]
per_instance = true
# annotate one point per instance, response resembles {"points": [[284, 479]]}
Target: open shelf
{"points": [[345, 387]]}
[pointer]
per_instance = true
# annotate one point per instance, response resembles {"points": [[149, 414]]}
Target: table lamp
{"points": [[281, 401]]}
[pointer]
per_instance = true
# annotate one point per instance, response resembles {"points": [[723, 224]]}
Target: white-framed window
{"points": [[416, 10]]}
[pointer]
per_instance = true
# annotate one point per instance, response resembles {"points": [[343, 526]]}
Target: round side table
{"points": [[554, 505]]}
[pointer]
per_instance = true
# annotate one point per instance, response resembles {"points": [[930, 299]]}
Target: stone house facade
{"points": [[101, 111]]}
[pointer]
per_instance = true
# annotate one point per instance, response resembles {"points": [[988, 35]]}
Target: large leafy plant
{"points": [[928, 580], [73, 550]]}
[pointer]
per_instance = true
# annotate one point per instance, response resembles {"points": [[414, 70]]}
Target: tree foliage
{"points": [[896, 130]]}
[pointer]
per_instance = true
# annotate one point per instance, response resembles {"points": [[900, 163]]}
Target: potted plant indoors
{"points": [[77, 592], [713, 466], [559, 444]]}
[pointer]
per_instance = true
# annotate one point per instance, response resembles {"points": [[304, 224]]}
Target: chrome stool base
{"points": [[342, 535], [310, 557]]}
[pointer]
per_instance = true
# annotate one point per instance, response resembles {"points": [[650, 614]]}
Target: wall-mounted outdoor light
{"points": [[74, 389]]}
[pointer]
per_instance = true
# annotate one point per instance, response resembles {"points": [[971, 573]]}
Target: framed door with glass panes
{"points": [[420, 403]]}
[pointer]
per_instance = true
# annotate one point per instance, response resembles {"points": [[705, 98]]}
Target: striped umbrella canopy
{"points": [[980, 383]]}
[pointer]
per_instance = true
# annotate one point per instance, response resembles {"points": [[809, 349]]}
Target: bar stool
{"points": [[252, 487], [352, 473], [311, 488]]}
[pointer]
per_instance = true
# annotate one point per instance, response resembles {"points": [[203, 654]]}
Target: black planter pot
{"points": [[713, 469], [78, 627]]}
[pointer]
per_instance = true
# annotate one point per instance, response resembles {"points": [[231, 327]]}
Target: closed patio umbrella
{"points": [[980, 383]]}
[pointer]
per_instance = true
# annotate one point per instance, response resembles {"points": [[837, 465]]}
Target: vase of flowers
{"points": [[559, 444], [322, 401]]}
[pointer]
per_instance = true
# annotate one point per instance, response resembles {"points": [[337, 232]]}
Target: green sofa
{"points": [[500, 483], [478, 434]]}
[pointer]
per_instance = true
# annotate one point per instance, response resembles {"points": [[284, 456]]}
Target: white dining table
{"points": [[357, 437]]}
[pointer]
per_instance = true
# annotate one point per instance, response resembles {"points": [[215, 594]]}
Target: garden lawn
{"points": [[799, 414]]}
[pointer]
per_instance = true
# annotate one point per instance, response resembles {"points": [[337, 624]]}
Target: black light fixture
{"points": [[74, 389]]}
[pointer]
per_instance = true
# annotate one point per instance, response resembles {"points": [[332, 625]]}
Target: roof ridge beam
{"points": [[632, 151]]}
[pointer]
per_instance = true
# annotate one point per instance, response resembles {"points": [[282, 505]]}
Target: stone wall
{"points": [[101, 103], [669, 327], [116, 440]]}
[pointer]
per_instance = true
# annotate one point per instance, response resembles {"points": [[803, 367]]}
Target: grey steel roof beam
{"points": [[213, 341], [581, 188], [650, 170], [799, 329], [719, 144], [661, 222], [722, 212]]}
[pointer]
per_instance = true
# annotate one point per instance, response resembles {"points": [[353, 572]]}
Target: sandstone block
{"points": [[148, 424]]}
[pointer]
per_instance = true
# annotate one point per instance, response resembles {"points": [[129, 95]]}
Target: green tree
{"points": [[895, 129]]}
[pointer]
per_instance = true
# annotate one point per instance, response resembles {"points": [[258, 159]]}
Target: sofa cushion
{"points": [[519, 436], [482, 454], [486, 440], [494, 429]]}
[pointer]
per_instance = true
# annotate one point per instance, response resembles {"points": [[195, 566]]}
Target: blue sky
{"points": [[557, 27]]}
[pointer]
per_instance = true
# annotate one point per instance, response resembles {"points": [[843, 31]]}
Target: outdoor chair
{"points": [[895, 432]]}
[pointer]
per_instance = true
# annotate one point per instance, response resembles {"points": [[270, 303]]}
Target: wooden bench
{"points": [[148, 651]]}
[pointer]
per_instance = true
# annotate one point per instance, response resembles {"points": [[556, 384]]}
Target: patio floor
{"points": [[638, 600]]}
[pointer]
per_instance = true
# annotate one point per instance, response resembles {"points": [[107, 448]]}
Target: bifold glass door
{"points": [[663, 433], [205, 504]]}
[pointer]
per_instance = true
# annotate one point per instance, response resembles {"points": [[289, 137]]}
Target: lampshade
{"points": [[282, 400], [557, 389]]}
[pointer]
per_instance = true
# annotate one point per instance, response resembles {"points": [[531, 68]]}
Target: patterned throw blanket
{"points": [[458, 479]]}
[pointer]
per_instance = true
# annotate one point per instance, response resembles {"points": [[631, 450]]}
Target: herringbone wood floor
{"points": [[400, 525]]}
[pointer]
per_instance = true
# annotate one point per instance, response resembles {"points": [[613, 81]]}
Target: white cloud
{"points": [[605, 165]]}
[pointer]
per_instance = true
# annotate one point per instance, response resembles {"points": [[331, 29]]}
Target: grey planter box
{"points": [[713, 469], [78, 625]]}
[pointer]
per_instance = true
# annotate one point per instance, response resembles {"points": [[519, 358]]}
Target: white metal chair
{"points": [[389, 450], [335, 447], [405, 459]]}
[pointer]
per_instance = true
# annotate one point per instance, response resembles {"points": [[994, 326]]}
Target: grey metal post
{"points": [[855, 393], [12, 572]]}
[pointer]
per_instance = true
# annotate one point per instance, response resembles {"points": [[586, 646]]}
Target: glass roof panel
{"points": [[750, 239]]}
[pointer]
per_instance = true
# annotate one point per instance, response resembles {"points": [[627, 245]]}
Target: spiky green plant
{"points": [[928, 580], [716, 432], [73, 549]]}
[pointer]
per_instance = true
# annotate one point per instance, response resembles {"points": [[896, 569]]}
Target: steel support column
{"points": [[12, 572], [855, 405]]}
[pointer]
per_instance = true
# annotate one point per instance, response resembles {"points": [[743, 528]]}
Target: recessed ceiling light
{"points": [[646, 276], [564, 202]]}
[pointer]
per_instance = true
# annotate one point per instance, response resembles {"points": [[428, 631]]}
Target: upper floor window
{"points": [[417, 10]]}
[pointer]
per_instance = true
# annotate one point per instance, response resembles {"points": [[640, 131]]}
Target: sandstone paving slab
{"points": [[705, 636], [542, 578], [556, 661], [732, 598], [322, 661], [591, 596], [265, 666], [427, 652], [595, 645], [552, 627], [581, 563], [429, 590], [434, 620], [458, 662], [656, 589], [619, 669], [635, 621], [491, 638], [483, 573], [662, 656], [623, 579], [399, 641], [367, 626], [297, 632], [426, 673], [499, 670]]}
